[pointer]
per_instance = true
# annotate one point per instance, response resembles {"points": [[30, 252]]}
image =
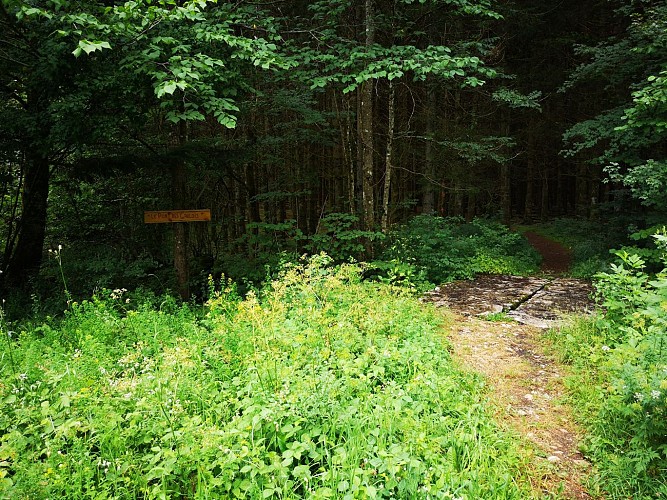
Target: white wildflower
{"points": [[104, 464]]}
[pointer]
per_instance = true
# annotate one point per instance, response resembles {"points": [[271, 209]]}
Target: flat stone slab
{"points": [[560, 296], [486, 294], [541, 302]]}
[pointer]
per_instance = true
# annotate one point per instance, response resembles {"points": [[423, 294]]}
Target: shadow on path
{"points": [[556, 259]]}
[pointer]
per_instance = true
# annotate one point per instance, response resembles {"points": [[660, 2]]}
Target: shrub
{"points": [[621, 361], [447, 249], [339, 237]]}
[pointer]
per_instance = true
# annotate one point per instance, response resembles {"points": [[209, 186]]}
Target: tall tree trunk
{"points": [[531, 174], [181, 229], [366, 128], [352, 183], [457, 199], [300, 199], [428, 204], [13, 202], [386, 195], [581, 204], [561, 201], [544, 211], [505, 177], [26, 259], [252, 205], [529, 202], [240, 214], [471, 207], [348, 154]]}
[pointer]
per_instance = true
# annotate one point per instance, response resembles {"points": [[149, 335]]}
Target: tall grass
{"points": [[322, 386]]}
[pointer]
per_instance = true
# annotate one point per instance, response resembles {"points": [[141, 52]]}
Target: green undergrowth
{"points": [[619, 383], [449, 248], [589, 240], [321, 386]]}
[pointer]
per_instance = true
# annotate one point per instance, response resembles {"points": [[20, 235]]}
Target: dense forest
{"points": [[351, 155], [297, 120]]}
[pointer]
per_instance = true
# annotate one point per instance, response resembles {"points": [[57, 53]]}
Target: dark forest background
{"points": [[309, 126]]}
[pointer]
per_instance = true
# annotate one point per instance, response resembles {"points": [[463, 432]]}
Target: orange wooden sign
{"points": [[159, 216]]}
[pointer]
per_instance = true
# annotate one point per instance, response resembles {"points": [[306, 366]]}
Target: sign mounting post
{"points": [[178, 218]]}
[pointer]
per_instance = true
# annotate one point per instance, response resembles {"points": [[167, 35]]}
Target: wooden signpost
{"points": [[159, 216], [179, 218]]}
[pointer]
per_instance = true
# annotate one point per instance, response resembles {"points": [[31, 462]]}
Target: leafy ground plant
{"points": [[446, 249], [589, 240], [321, 386], [620, 380]]}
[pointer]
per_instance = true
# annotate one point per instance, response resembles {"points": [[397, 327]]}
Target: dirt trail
{"points": [[526, 385], [526, 390], [556, 259]]}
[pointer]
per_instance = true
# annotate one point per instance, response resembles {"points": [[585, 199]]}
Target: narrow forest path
{"points": [[526, 385], [556, 258], [526, 391]]}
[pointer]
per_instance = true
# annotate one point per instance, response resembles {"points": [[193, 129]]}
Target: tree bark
{"points": [[457, 209], [349, 157], [428, 204], [561, 193], [181, 230], [581, 204], [240, 214], [529, 202], [12, 223], [386, 195], [544, 212], [505, 178], [252, 205], [366, 128], [26, 259], [471, 206], [352, 178]]}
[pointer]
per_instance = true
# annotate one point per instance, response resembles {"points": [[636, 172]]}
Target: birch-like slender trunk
{"points": [[366, 128], [386, 195]]}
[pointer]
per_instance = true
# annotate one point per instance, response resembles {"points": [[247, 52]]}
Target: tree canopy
{"points": [[296, 120]]}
